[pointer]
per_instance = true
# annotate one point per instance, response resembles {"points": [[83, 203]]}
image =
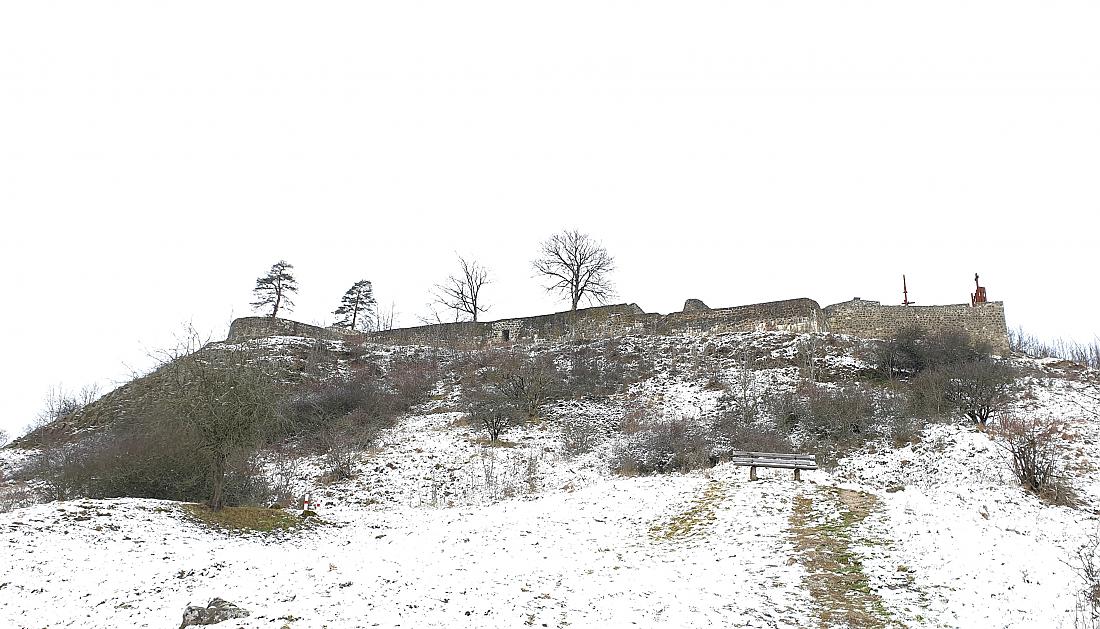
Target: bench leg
{"points": [[797, 474], [752, 472]]}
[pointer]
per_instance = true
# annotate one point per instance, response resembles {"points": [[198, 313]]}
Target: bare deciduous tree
{"points": [[576, 265], [60, 403], [462, 292], [386, 319], [275, 288], [229, 404]]}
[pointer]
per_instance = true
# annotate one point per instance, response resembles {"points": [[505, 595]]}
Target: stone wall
{"points": [[247, 328], [870, 319], [789, 315], [585, 323], [792, 315]]}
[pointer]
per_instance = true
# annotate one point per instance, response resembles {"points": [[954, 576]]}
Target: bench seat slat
{"points": [[776, 464]]}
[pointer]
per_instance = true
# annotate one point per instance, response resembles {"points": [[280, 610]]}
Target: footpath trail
{"points": [[825, 527]]}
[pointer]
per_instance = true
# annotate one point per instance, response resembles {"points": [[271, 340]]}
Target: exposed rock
{"points": [[695, 305], [218, 610]]}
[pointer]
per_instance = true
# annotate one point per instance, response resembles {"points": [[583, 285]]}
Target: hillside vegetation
{"points": [[570, 483]]}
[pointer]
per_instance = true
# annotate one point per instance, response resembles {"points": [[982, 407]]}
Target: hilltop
{"points": [[611, 506]]}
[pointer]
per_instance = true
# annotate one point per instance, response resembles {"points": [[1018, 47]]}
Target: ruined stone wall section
{"points": [[463, 332], [791, 315], [586, 323], [247, 328], [870, 319]]}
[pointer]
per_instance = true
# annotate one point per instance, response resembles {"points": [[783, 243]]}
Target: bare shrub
{"points": [[1035, 449], [746, 393], [731, 434], [412, 379], [808, 353], [150, 458], [529, 382], [339, 441], [839, 414], [979, 389], [1086, 564], [61, 403], [16, 495], [345, 438], [283, 471], [494, 414], [580, 436], [604, 368], [500, 389], [319, 403], [319, 358], [1087, 354], [914, 350], [927, 393], [663, 445], [905, 428]]}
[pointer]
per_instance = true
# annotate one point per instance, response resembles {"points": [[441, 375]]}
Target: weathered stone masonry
{"points": [[868, 319], [247, 328]]}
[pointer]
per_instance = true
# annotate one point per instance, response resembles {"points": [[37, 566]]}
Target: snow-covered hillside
{"points": [[438, 529]]}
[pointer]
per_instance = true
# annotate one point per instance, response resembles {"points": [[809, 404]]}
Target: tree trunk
{"points": [[217, 481]]}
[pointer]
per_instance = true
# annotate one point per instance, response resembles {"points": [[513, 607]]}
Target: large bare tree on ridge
{"points": [[576, 265], [462, 292]]}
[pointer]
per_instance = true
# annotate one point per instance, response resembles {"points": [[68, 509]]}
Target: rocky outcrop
{"points": [[218, 610]]}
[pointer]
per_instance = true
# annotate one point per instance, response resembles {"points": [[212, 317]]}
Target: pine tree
{"points": [[275, 288], [356, 306]]}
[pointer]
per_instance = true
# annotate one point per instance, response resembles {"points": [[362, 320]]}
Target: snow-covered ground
{"points": [[440, 530]]}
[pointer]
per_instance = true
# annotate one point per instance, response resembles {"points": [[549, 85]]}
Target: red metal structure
{"points": [[979, 293], [904, 292]]}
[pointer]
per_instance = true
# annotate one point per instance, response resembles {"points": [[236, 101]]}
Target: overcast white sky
{"points": [[155, 158]]}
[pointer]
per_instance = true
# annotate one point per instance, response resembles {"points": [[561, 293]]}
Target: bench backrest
{"points": [[773, 459]]}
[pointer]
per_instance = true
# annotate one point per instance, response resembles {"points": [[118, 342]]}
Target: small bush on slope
{"points": [[659, 445], [1036, 449]]}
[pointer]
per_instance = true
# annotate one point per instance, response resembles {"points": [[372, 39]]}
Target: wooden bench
{"points": [[753, 460]]}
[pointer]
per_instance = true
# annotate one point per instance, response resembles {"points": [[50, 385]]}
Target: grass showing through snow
{"points": [[695, 518], [245, 519], [822, 529]]}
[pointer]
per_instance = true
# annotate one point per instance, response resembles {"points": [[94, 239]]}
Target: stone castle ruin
{"points": [[983, 320]]}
